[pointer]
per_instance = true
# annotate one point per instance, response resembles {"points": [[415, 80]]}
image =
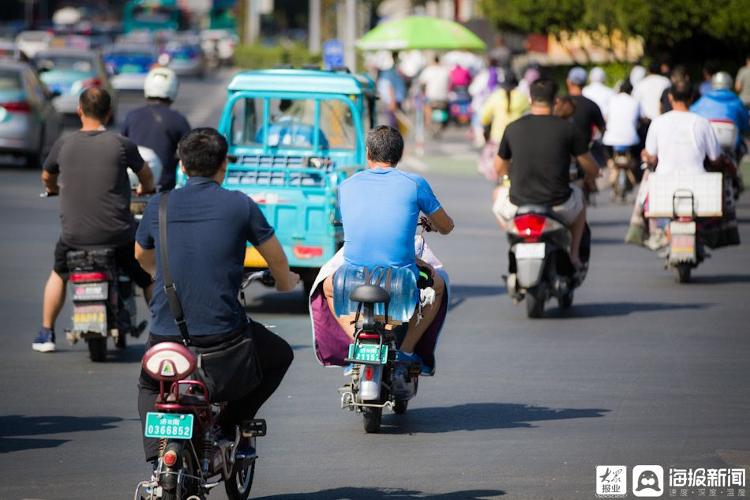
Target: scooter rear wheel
{"points": [[683, 273], [98, 349], [535, 298], [372, 417]]}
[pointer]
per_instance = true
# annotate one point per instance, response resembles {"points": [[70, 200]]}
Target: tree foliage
{"points": [[677, 26]]}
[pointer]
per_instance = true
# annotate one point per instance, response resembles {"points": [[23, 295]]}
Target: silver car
{"points": [[29, 123]]}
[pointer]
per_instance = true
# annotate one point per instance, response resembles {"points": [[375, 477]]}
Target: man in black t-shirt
{"points": [[587, 114], [535, 153], [94, 201]]}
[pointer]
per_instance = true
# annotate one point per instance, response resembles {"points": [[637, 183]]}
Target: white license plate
{"points": [[91, 291], [529, 251], [682, 227], [90, 318]]}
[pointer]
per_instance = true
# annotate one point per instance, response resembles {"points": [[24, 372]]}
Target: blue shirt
{"points": [[723, 104], [160, 128], [380, 209], [208, 227]]}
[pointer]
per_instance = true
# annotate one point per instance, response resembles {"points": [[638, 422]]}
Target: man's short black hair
{"points": [[95, 103], [654, 67], [202, 152], [626, 87], [681, 91], [385, 145], [543, 91]]}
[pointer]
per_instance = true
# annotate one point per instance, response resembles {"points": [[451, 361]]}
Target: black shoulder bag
{"points": [[229, 369]]}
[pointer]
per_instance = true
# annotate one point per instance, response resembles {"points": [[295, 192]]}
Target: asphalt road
{"points": [[640, 371]]}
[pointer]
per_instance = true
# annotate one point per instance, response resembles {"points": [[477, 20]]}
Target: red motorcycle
{"points": [[194, 457]]}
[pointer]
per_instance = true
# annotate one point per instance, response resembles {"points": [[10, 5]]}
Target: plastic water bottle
{"points": [[369, 382], [403, 291]]}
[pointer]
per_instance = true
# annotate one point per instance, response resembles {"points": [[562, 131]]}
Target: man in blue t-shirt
{"points": [[380, 208]]}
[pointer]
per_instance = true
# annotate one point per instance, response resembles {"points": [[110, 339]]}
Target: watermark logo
{"points": [[611, 481], [648, 481], [707, 482]]}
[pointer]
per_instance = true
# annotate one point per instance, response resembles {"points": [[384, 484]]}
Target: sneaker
{"points": [[413, 358], [45, 341]]}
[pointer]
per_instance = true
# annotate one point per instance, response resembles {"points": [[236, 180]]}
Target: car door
{"points": [[50, 121]]}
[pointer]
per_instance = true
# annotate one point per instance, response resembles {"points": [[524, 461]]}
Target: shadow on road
{"points": [[12, 426], [381, 493], [610, 309], [719, 279], [460, 293], [479, 416], [607, 241], [608, 223]]}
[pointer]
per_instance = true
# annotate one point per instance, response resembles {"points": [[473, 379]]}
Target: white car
{"points": [[31, 42]]}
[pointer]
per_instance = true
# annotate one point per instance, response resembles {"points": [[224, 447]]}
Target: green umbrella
{"points": [[420, 32]]}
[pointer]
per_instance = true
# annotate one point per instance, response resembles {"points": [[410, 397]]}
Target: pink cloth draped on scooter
{"points": [[331, 343]]}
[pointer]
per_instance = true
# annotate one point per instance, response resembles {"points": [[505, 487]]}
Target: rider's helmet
{"points": [[721, 81], [161, 83]]}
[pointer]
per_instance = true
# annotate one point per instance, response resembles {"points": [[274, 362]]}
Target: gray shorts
{"points": [[567, 212]]}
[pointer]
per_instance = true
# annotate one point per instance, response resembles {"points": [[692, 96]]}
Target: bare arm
{"points": [[441, 221], [146, 178], [146, 258], [274, 255], [502, 166], [50, 182], [589, 165]]}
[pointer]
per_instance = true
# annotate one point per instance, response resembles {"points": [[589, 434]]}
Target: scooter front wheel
{"points": [[241, 479]]}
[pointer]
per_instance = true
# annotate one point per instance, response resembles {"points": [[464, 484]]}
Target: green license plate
{"points": [[169, 425], [371, 353]]}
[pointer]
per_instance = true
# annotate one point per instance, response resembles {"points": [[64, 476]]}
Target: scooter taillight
{"points": [[368, 373], [88, 277], [530, 226]]}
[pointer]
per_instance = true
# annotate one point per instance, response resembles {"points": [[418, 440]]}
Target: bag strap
{"points": [[170, 290]]}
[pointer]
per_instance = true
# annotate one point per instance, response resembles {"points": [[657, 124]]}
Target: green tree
{"points": [[683, 28]]}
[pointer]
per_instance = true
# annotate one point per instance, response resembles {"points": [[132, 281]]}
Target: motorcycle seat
{"points": [[370, 294], [539, 210]]}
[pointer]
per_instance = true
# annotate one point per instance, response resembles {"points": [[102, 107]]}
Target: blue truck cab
{"points": [[294, 135]]}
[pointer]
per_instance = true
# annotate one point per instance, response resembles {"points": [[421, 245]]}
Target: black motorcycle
{"points": [[103, 302], [539, 265]]}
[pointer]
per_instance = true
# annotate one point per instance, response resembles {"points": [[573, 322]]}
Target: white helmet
{"points": [[721, 80], [161, 83]]}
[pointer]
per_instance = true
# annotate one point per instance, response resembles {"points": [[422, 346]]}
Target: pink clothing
{"points": [[460, 77]]}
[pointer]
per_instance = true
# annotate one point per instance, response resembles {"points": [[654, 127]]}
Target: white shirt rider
{"points": [[681, 140], [648, 93], [437, 80]]}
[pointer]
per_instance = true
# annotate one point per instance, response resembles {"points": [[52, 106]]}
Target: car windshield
{"points": [[292, 124], [152, 14], [75, 63], [10, 80], [129, 53]]}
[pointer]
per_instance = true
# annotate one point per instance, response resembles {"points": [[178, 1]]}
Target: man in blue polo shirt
{"points": [[208, 228], [380, 208]]}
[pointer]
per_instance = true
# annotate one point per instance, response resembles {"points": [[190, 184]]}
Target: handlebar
{"points": [[264, 277], [426, 224]]}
